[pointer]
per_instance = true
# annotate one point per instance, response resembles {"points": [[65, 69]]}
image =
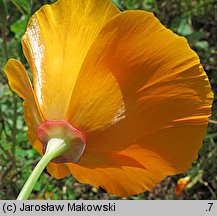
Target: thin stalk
{"points": [[210, 136], [4, 41], [33, 178], [2, 122], [156, 6], [212, 121], [55, 147], [14, 129], [18, 7]]}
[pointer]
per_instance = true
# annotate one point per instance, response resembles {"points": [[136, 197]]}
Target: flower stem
{"points": [[14, 130], [55, 147], [4, 41], [33, 178]]}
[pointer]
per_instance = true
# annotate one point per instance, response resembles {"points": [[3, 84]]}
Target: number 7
{"points": [[210, 206]]}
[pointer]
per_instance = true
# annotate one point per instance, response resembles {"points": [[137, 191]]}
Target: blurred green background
{"points": [[194, 19]]}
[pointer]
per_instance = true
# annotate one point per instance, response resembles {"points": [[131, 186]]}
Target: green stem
{"points": [[19, 8], [4, 41], [14, 130], [33, 178], [156, 6], [55, 147]]}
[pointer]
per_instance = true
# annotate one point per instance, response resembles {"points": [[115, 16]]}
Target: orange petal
{"points": [[181, 184], [98, 103], [167, 101], [55, 44], [129, 172], [20, 83], [58, 171], [165, 152]]}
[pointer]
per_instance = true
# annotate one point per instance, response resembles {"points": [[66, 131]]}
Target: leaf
{"points": [[37, 186], [19, 27], [197, 35], [195, 179], [24, 4], [149, 1], [184, 28], [202, 45], [118, 4], [131, 4]]}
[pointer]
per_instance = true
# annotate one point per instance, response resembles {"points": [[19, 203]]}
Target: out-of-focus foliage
{"points": [[194, 19]]}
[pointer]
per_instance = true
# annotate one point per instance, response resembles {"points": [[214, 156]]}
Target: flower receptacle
{"points": [[62, 140]]}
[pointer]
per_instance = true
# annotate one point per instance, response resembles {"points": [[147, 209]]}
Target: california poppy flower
{"points": [[181, 184], [133, 89]]}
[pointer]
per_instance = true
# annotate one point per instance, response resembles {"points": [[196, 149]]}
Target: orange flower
{"points": [[135, 91], [181, 184]]}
